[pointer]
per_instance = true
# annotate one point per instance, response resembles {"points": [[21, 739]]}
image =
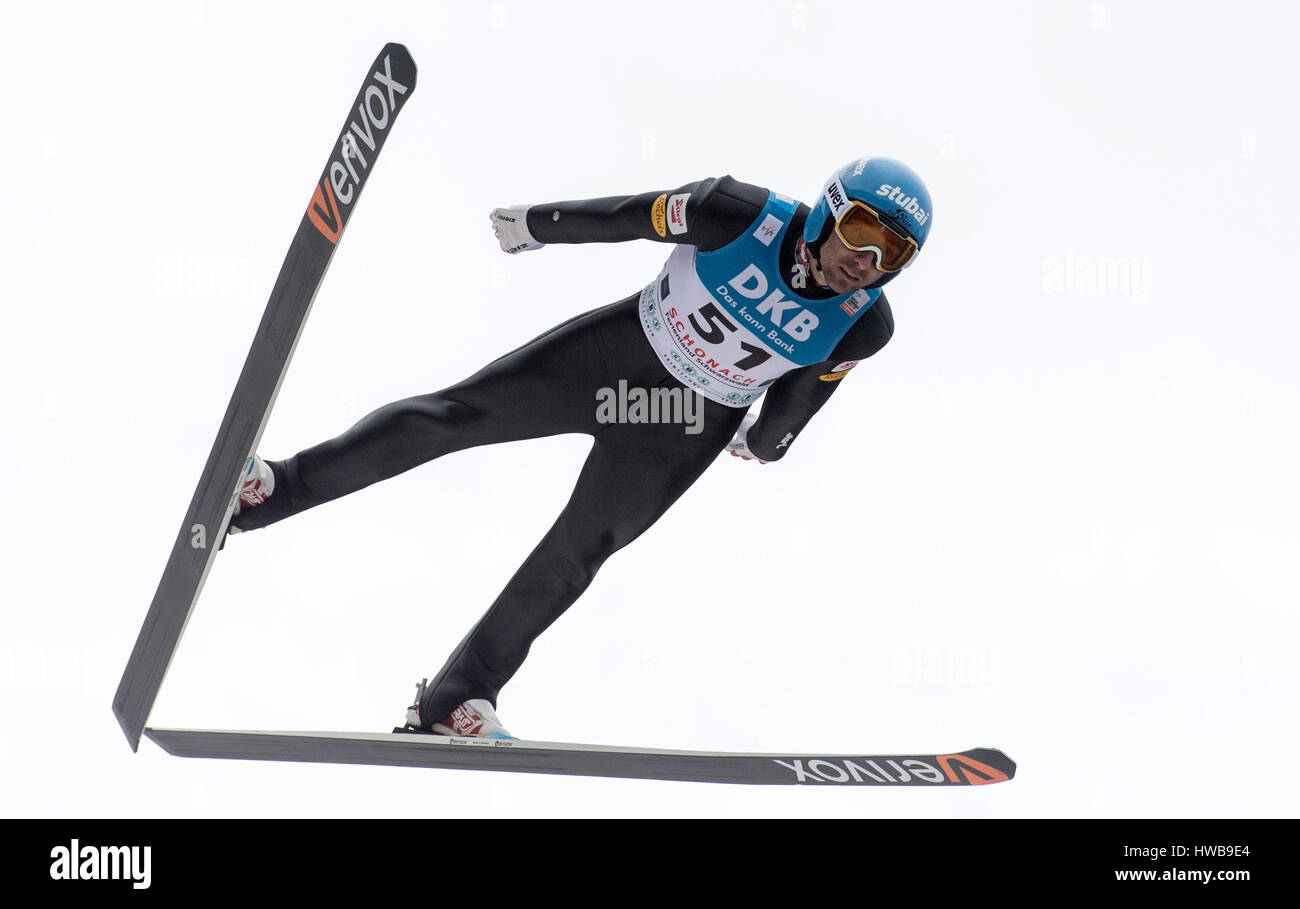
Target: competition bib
{"points": [[727, 324]]}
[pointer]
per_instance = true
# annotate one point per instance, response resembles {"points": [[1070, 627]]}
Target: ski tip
{"points": [[978, 766], [999, 757], [398, 52]]}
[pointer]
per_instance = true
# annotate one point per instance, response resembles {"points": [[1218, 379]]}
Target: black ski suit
{"points": [[548, 386]]}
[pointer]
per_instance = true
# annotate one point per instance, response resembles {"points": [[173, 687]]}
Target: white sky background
{"points": [[1056, 515]]}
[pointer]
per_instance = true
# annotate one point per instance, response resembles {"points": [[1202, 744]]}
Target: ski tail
{"points": [[389, 84]]}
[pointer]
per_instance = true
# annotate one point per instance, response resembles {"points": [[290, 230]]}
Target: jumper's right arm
{"points": [[708, 214]]}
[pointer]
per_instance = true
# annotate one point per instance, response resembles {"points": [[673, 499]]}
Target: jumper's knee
{"points": [[581, 556], [434, 413]]}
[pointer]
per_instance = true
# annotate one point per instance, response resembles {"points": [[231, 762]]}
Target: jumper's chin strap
{"points": [[809, 261]]}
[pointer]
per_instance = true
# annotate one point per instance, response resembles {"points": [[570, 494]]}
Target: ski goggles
{"points": [[860, 229]]}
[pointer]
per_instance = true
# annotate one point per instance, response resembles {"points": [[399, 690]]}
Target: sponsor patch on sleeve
{"points": [[768, 230], [659, 215], [677, 213], [839, 371]]}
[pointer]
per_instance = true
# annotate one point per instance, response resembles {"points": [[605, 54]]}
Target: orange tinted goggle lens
{"points": [[861, 229]]}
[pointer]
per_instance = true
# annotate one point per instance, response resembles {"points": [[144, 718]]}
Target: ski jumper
{"points": [[733, 316]]}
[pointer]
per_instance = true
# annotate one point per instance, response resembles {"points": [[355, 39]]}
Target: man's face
{"points": [[845, 270]]}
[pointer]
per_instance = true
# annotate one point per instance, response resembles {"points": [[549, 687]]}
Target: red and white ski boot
{"points": [[475, 718], [256, 484]]}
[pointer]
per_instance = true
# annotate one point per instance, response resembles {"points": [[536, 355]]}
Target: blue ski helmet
{"points": [[890, 188]]}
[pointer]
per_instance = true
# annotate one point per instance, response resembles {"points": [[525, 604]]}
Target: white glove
{"points": [[739, 447], [511, 227]]}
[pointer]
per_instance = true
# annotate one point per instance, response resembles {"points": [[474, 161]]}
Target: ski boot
{"points": [[475, 718], [256, 484]]}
